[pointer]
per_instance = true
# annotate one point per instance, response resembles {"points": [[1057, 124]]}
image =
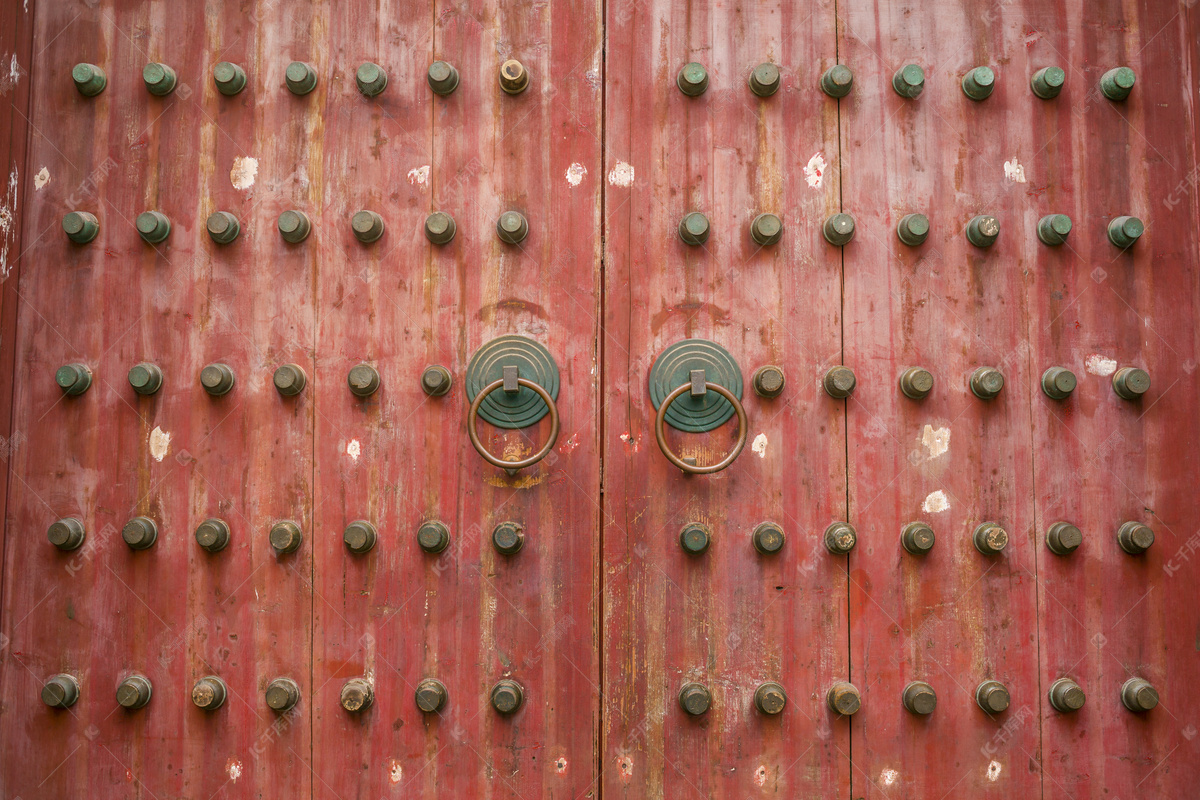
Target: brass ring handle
{"points": [[661, 419], [473, 414]]}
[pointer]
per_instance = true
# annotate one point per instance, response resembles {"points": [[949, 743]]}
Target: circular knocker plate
{"points": [[673, 368], [534, 363]]}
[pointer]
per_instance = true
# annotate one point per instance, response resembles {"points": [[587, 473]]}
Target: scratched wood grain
{"points": [[1108, 616], [954, 617], [174, 612], [469, 616], [731, 618]]}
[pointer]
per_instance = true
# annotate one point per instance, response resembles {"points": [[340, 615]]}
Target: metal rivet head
{"points": [[919, 698], [979, 83], [371, 79], [508, 538], [1124, 231], [1047, 82], [840, 538], [838, 230], [134, 692], [1052, 229], [1117, 83], [209, 693], [1130, 383], [770, 698], [1066, 696], [693, 228], [89, 79], [695, 699], [223, 227], [440, 227], [294, 226], [768, 538], [692, 80], [982, 230], [229, 78], [159, 79], [1058, 383], [768, 381], [990, 539], [839, 382], [992, 697], [357, 695], [1134, 537], [1138, 695], [217, 379], [290, 380], [66, 533], [60, 691], [917, 538], [694, 538], [916, 382], [1063, 538], [73, 379], [363, 380], [153, 226], [367, 226], [766, 229], [140, 533], [359, 536], [908, 81], [513, 76], [913, 229], [837, 81], [507, 696], [764, 80], [986, 383], [431, 695], [843, 698], [442, 77], [433, 536], [512, 227], [213, 535], [81, 227], [282, 694], [300, 77], [285, 537], [436, 380]]}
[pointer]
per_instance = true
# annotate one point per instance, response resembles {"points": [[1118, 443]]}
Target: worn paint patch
{"points": [[621, 175], [419, 176], [395, 771], [41, 179], [8, 81], [993, 771], [560, 766], [626, 765], [160, 443], [8, 228], [760, 775], [630, 439], [1099, 365], [888, 777], [521, 481], [1014, 171], [936, 440], [353, 449], [936, 502], [234, 768], [244, 171], [759, 445], [569, 445], [814, 171], [576, 173]]}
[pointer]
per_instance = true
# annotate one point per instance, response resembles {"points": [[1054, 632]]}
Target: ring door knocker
{"points": [[696, 385], [512, 382]]}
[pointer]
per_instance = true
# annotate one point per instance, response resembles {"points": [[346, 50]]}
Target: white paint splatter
{"points": [[395, 771], [1014, 171], [41, 179], [1099, 365], [888, 777], [936, 440], [569, 445], [560, 766], [160, 443], [814, 171], [245, 170], [936, 502], [8, 82], [759, 445], [576, 173], [354, 449], [621, 175], [419, 176], [8, 231], [993, 771], [234, 768]]}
